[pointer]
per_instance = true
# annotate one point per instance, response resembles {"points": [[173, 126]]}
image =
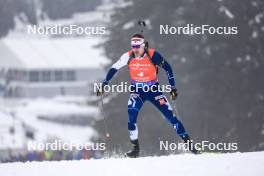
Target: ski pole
{"points": [[107, 134], [175, 109]]}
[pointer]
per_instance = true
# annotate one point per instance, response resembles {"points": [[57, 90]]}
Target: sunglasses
{"points": [[135, 46]]}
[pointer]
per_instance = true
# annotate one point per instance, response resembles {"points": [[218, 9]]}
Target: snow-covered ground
{"points": [[235, 164], [58, 117], [8, 123], [56, 122]]}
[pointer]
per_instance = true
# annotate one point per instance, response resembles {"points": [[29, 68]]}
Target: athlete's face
{"points": [[139, 50], [137, 45]]}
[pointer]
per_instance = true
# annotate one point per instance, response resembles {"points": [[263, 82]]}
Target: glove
{"points": [[174, 93], [99, 92]]}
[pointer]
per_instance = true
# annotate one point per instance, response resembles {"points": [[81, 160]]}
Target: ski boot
{"points": [[134, 152], [190, 144]]}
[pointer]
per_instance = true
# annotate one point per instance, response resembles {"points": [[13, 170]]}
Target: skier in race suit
{"points": [[143, 63]]}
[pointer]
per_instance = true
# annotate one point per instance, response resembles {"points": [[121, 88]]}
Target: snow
{"points": [[35, 51], [254, 34], [227, 12], [23, 51], [28, 111], [128, 25], [239, 59], [8, 140], [50, 107], [258, 17], [110, 5], [59, 53], [66, 133], [183, 59], [5, 118], [242, 164], [81, 18], [254, 4]]}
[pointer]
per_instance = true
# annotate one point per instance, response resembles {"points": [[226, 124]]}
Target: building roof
{"points": [[60, 53]]}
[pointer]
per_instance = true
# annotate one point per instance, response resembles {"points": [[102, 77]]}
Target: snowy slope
{"points": [[28, 111], [8, 140], [235, 164]]}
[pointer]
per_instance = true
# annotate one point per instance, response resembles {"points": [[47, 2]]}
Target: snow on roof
{"points": [[61, 53]]}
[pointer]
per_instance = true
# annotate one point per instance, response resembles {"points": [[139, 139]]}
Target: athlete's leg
{"points": [[161, 103], [135, 102]]}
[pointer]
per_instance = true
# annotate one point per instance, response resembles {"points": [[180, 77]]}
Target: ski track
{"points": [[231, 164]]}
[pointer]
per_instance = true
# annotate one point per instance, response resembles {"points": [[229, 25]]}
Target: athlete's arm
{"points": [[115, 67], [160, 61]]}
